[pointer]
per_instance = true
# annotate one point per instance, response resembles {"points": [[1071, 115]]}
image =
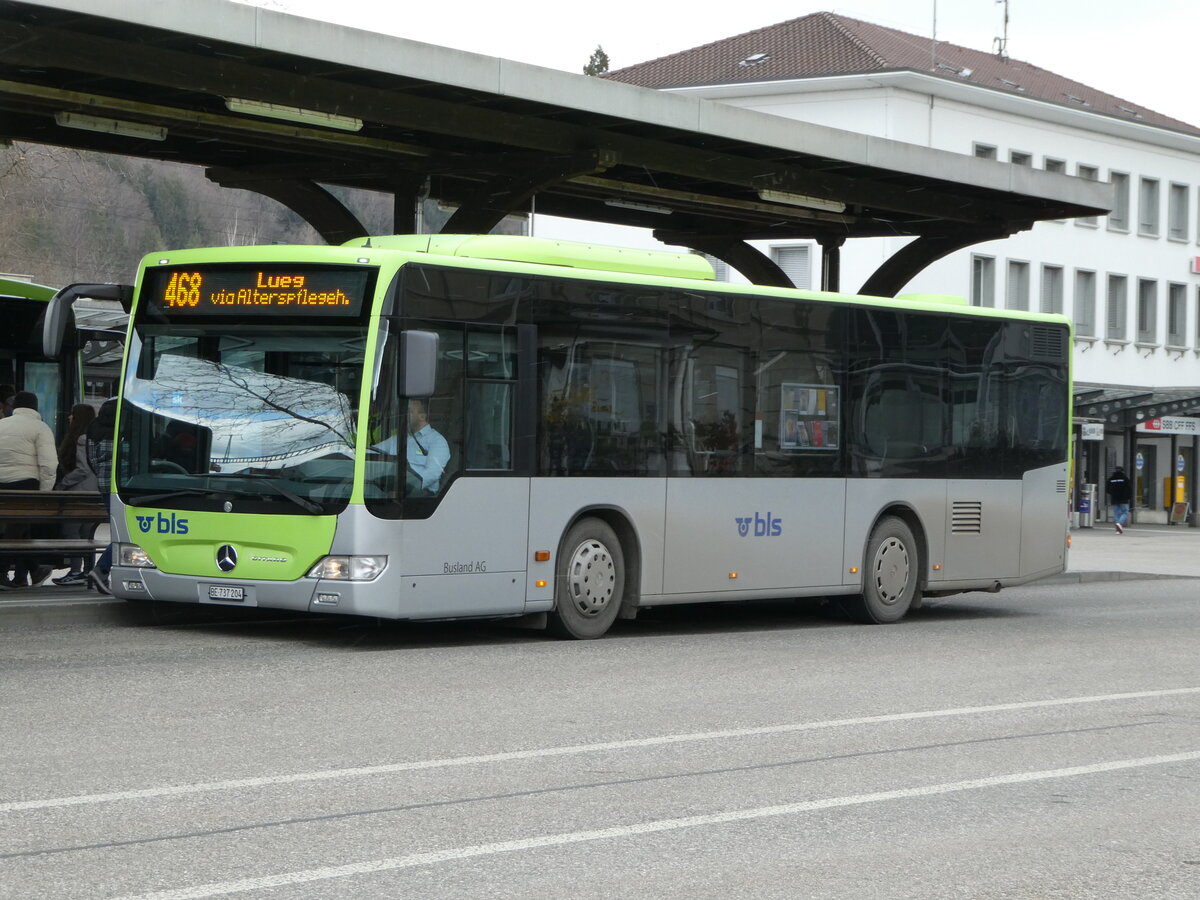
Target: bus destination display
{"points": [[257, 291]]}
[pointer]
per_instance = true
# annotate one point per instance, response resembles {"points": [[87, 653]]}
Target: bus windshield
{"points": [[249, 415]]}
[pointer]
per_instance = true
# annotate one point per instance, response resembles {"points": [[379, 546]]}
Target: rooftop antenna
{"points": [[933, 41], [1000, 44]]}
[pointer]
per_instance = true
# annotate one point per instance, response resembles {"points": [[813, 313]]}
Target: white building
{"points": [[1129, 280]]}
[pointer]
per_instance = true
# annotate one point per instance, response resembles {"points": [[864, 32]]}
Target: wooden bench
{"points": [[44, 512]]}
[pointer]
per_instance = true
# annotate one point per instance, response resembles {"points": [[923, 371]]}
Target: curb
{"points": [[1086, 577], [51, 611]]}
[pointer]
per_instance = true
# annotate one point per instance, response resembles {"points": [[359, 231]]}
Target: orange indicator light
{"points": [[541, 555], [733, 574], [854, 570], [937, 567], [540, 583]]}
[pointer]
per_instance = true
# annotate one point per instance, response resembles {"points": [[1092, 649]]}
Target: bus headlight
{"points": [[349, 568], [134, 556]]}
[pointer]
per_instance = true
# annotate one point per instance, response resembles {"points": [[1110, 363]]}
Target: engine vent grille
{"points": [[966, 517], [1062, 486]]}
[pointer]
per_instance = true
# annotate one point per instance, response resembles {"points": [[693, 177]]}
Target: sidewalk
{"points": [[1143, 551]]}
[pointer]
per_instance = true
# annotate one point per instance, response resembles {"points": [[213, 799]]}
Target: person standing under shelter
{"points": [[28, 462], [1120, 493], [74, 474], [99, 447]]}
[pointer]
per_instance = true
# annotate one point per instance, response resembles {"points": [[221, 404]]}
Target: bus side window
{"points": [[489, 425], [491, 385]]}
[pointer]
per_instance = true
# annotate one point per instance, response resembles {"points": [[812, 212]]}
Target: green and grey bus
{"points": [[609, 430]]}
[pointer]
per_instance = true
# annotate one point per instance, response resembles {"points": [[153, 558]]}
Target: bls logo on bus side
{"points": [[763, 527]]}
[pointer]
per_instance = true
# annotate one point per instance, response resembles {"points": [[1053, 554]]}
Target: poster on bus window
{"points": [[808, 417]]}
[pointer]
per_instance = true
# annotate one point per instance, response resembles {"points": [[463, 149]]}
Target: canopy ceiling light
{"points": [[641, 207], [110, 126], [293, 114], [835, 206]]}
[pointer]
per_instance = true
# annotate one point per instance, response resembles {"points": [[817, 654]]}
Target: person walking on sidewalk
{"points": [[1120, 493]]}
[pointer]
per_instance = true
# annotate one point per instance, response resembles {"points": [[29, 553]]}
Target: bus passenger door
{"points": [[466, 535]]}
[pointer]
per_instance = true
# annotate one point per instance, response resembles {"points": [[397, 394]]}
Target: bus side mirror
{"points": [[58, 311], [418, 357]]}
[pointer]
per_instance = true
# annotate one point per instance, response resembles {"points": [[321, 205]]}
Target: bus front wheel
{"points": [[589, 582], [890, 573]]}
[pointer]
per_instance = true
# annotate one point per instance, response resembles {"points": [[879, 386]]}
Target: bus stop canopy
{"points": [[287, 106], [1122, 407]]}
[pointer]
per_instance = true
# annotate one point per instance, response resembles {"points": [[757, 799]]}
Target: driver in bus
{"points": [[428, 452]]}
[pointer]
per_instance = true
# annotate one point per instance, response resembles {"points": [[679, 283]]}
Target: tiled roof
{"points": [[825, 44]]}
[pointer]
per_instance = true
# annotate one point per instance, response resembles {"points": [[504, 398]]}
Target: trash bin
{"points": [[1087, 505]]}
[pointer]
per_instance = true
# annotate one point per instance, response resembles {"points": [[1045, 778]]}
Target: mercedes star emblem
{"points": [[226, 558]]}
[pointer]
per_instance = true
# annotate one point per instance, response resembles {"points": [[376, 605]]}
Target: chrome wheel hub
{"points": [[890, 570], [591, 577]]}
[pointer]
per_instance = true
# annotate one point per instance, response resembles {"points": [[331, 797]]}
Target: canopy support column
{"points": [[910, 259], [511, 190], [735, 253], [307, 199]]}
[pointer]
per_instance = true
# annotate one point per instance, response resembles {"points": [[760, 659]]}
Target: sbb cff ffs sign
{"points": [[1170, 425]]}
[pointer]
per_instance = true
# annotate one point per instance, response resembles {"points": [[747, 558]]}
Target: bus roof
{"points": [[21, 289], [546, 251]]}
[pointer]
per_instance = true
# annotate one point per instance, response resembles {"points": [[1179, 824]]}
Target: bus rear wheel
{"points": [[891, 570], [589, 582]]}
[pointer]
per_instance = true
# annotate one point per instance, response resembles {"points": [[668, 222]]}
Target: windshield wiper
{"points": [[309, 506]]}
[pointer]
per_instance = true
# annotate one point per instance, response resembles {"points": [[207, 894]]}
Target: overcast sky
{"points": [[1140, 50]]}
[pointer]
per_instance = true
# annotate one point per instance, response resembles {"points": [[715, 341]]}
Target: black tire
{"points": [[891, 571], [589, 581]]}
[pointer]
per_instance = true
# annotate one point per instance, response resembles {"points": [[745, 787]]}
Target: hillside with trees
{"points": [[68, 215]]}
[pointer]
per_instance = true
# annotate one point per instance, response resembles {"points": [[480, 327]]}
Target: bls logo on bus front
{"points": [[763, 527], [173, 525]]}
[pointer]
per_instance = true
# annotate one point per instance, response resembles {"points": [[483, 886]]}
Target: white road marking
{"points": [[546, 752], [453, 854]]}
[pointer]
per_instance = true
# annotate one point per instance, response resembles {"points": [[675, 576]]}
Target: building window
{"points": [[1017, 289], [985, 151], [983, 280], [1089, 173], [796, 262], [1177, 212], [1147, 311], [1085, 302], [1020, 158], [1118, 292], [1118, 219], [1176, 315], [1052, 289], [1148, 207]]}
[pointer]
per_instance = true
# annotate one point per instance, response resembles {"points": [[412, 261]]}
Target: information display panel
{"points": [[259, 290]]}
